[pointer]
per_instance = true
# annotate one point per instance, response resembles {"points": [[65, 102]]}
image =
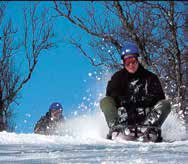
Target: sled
{"points": [[134, 134]]}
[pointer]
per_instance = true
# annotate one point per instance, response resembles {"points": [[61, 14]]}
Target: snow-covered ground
{"points": [[82, 140]]}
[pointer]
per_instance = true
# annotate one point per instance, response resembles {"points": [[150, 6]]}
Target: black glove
{"points": [[131, 111], [123, 116]]}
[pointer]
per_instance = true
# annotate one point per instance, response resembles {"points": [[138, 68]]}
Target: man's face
{"points": [[56, 113], [131, 64]]}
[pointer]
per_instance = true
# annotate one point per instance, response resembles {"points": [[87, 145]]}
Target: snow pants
{"points": [[109, 108]]}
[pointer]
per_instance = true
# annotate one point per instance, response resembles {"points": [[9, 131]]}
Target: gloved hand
{"points": [[131, 111], [123, 116]]}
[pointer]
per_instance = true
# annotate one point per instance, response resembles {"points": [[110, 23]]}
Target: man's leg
{"points": [[156, 118], [159, 113], [109, 108]]}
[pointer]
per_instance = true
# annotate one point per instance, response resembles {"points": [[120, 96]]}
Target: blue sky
{"points": [[56, 78], [62, 75]]}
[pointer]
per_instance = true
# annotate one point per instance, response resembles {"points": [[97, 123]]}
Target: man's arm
{"points": [[113, 89], [41, 126]]}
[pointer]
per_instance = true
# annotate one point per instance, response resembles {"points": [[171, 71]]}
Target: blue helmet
{"points": [[128, 50], [55, 106]]}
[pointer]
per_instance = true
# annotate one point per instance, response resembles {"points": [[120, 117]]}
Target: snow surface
{"points": [[82, 140]]}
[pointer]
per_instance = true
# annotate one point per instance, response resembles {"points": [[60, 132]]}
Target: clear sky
{"points": [[62, 75]]}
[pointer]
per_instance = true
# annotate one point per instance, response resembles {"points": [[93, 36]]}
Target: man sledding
{"points": [[47, 124], [135, 104]]}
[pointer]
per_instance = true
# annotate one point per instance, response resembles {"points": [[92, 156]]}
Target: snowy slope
{"points": [[82, 140]]}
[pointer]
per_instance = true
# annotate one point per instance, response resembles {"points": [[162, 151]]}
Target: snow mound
{"points": [[90, 128]]}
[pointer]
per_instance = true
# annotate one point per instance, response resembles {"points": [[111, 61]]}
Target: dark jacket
{"points": [[139, 90], [46, 125]]}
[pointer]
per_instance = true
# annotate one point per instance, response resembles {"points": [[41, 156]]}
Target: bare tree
{"points": [[186, 66], [37, 36], [172, 20], [156, 27]]}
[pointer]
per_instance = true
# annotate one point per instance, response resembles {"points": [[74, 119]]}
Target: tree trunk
{"points": [[2, 125], [186, 69], [1, 112]]}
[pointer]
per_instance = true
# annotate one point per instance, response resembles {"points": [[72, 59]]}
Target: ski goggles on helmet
{"points": [[56, 112], [131, 60]]}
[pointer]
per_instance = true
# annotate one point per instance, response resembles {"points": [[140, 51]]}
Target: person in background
{"points": [[48, 123], [134, 100]]}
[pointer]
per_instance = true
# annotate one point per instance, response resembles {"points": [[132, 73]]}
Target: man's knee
{"points": [[106, 102], [164, 106]]}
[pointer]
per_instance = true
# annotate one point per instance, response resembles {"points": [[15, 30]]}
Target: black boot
{"points": [[120, 124], [156, 132], [118, 128], [151, 134], [159, 137]]}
